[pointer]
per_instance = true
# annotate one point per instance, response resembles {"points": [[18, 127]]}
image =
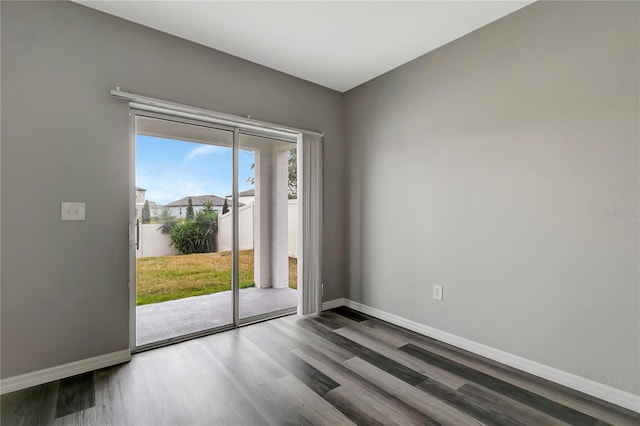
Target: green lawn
{"points": [[173, 277]]}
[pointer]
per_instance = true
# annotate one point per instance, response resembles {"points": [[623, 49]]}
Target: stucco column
{"points": [[271, 268]]}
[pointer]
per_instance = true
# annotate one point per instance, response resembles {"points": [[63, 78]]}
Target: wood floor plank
{"points": [[584, 403], [279, 349], [30, 407], [238, 357], [205, 402], [294, 331], [383, 347], [78, 418], [75, 394], [341, 319], [332, 321], [392, 367], [379, 329], [355, 397], [427, 404], [489, 414], [118, 389], [309, 405], [343, 400], [357, 393], [501, 403], [350, 313], [540, 403]]}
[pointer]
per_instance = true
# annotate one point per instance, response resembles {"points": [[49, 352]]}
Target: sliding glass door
{"points": [[208, 257]]}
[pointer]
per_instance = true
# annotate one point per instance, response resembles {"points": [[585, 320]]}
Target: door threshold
{"points": [[241, 323]]}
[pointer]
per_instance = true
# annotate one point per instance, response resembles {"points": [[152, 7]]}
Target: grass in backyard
{"points": [[160, 279]]}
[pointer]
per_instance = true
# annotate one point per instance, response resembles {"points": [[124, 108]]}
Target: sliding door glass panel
{"points": [[183, 259], [267, 214]]}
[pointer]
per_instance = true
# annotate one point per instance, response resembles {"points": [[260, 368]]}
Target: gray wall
{"points": [[64, 289], [513, 143]]}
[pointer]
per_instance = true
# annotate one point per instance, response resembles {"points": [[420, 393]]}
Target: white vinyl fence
{"points": [[155, 243], [245, 229]]}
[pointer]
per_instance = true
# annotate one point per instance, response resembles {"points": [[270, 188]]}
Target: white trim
{"points": [[11, 384], [335, 303], [570, 380], [158, 105]]}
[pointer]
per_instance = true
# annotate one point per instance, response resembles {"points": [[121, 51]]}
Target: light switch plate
{"points": [[72, 211], [437, 292]]}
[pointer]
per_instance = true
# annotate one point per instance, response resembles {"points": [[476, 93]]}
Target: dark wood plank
{"points": [[299, 334], [390, 366], [358, 388], [279, 349], [350, 313], [487, 413], [305, 403], [332, 322], [33, 406], [354, 392], [75, 394], [383, 345], [540, 403], [503, 404], [422, 401], [579, 401], [350, 410], [341, 319]]}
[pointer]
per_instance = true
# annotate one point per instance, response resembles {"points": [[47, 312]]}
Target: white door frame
{"points": [[134, 236]]}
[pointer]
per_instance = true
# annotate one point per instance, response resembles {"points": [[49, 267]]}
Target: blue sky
{"points": [[170, 169]]}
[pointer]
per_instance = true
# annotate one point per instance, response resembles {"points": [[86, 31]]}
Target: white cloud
{"points": [[204, 150]]}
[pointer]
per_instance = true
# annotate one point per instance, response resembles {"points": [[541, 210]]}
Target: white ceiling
{"points": [[336, 44]]}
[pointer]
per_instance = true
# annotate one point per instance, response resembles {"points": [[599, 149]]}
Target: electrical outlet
{"points": [[437, 292], [72, 211]]}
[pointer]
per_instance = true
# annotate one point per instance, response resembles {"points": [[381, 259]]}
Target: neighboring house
{"points": [[141, 198], [244, 197], [179, 207], [154, 208]]}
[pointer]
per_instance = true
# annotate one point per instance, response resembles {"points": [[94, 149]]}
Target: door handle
{"points": [[137, 234]]}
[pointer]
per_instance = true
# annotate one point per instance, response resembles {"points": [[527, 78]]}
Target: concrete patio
{"points": [[161, 321]]}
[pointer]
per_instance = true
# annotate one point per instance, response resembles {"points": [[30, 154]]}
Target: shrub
{"points": [[166, 220], [197, 236], [190, 210], [146, 213]]}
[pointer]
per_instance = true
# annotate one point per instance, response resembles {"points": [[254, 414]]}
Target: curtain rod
{"points": [[223, 118]]}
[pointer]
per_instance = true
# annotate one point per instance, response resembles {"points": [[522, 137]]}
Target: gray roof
{"points": [[247, 193], [198, 200]]}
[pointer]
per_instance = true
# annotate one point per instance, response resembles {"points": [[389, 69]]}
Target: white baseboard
{"points": [[330, 304], [11, 384], [570, 380]]}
